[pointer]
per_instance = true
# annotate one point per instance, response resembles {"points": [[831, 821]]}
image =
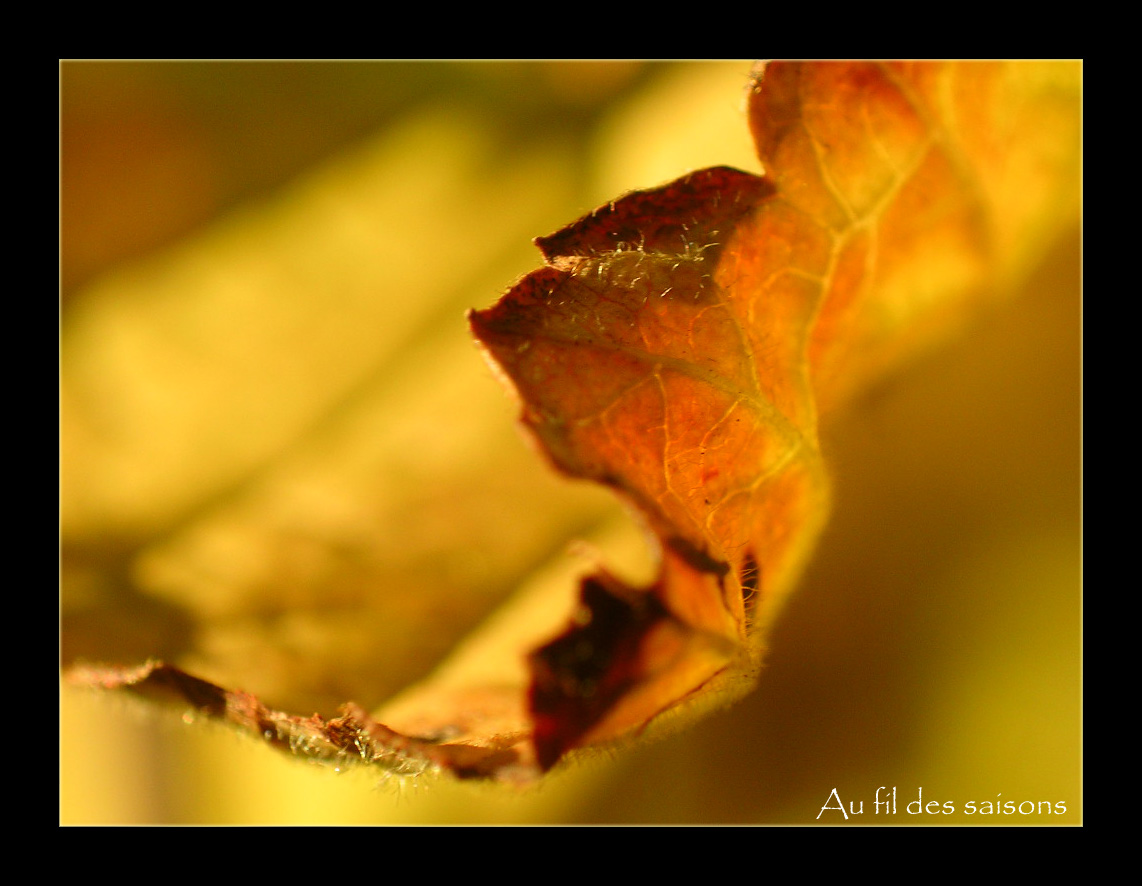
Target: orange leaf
{"points": [[681, 342], [680, 346]]}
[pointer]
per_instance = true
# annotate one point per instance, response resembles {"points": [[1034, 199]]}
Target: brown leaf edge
{"points": [[354, 738]]}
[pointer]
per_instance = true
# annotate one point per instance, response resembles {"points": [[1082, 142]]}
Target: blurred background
{"points": [[285, 465]]}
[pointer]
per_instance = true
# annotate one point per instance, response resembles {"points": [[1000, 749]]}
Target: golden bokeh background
{"points": [[276, 433]]}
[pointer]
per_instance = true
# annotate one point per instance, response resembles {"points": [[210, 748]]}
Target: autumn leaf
{"points": [[682, 342], [680, 347]]}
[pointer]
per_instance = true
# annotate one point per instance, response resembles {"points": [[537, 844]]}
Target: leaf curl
{"points": [[681, 346]]}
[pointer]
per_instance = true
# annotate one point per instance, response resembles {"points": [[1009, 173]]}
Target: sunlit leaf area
{"points": [[287, 467]]}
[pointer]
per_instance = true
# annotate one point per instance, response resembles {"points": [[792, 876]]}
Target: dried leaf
{"points": [[682, 342], [680, 347]]}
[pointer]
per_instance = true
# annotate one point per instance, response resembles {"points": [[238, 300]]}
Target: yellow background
{"points": [[935, 642]]}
